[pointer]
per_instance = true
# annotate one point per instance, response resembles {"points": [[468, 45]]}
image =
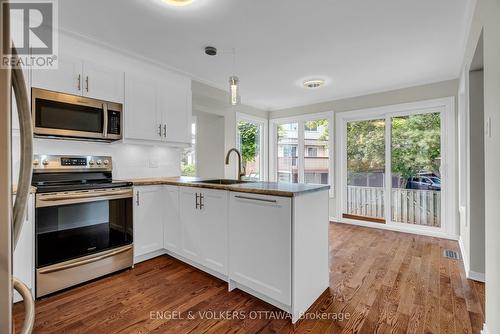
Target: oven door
{"points": [[74, 224], [63, 115]]}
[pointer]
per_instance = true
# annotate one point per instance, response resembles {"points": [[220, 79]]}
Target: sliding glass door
{"points": [[366, 170], [416, 169], [392, 167]]}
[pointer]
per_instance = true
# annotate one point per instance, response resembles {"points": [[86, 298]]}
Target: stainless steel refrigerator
{"points": [[12, 214]]}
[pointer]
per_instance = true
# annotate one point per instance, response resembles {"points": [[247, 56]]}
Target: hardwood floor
{"points": [[380, 281]]}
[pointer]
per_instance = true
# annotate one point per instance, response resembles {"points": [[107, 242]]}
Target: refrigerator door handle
{"points": [[24, 183], [26, 149]]}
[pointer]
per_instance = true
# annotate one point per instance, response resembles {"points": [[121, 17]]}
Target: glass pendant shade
{"points": [[234, 90]]}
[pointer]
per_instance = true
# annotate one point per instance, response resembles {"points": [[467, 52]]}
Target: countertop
{"points": [[263, 188]]}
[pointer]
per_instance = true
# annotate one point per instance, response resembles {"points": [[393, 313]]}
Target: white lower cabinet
{"points": [[23, 261], [172, 220], [260, 243], [203, 216], [149, 216]]}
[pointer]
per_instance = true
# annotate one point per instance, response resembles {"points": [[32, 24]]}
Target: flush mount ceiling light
{"points": [[313, 83], [178, 3]]}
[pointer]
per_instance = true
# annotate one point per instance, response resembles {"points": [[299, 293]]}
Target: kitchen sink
{"points": [[223, 181]]}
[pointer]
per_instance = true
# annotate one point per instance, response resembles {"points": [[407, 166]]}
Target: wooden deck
{"points": [[382, 281]]}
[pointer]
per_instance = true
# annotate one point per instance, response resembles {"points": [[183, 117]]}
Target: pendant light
{"points": [[234, 88]]}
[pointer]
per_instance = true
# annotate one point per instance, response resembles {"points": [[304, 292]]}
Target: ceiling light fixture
{"points": [[234, 89], [178, 3], [313, 83]]}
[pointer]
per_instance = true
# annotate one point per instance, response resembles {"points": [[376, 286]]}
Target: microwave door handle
{"points": [[105, 118]]}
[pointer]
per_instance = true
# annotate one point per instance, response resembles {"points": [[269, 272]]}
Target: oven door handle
{"points": [[78, 263], [46, 200]]}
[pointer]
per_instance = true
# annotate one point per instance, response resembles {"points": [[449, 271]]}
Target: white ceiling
{"points": [[358, 46]]}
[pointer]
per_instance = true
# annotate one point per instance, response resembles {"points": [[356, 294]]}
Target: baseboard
{"points": [[485, 329], [476, 276], [436, 234]]}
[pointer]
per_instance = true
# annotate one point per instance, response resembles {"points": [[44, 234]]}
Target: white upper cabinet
{"points": [[158, 109], [175, 106], [67, 78], [80, 77], [142, 121], [102, 83]]}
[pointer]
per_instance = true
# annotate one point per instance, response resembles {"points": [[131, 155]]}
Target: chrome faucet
{"points": [[241, 171]]}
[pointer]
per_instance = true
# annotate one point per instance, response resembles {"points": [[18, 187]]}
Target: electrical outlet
{"points": [[153, 163]]}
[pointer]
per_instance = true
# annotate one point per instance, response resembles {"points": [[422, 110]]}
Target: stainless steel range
{"points": [[83, 221]]}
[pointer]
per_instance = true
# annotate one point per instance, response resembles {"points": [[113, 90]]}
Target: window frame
{"points": [[264, 140], [446, 106], [301, 120], [194, 120]]}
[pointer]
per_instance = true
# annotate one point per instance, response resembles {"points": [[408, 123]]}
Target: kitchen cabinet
{"points": [[175, 105], [172, 220], [102, 82], [260, 237], [149, 217], [203, 214], [23, 260], [158, 109], [81, 77], [142, 120]]}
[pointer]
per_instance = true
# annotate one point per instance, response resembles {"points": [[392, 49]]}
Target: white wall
{"points": [[475, 228], [209, 145], [215, 101], [129, 161], [487, 17], [405, 95]]}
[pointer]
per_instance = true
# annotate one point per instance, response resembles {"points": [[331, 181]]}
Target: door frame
{"points": [[449, 213]]}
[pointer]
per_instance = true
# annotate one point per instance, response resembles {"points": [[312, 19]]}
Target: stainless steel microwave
{"points": [[60, 115]]}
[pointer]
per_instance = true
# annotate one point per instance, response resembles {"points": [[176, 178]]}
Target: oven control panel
{"points": [[73, 161], [46, 163]]}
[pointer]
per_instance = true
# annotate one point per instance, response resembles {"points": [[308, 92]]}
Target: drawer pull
{"points": [[257, 199]]}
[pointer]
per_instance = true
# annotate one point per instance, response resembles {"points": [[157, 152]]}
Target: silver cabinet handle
{"points": [[87, 83], [197, 200], [165, 130], [256, 199], [79, 82], [137, 201], [159, 131], [201, 201]]}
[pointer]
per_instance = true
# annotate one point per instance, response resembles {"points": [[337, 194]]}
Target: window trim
{"points": [[301, 120], [264, 144], [194, 120]]}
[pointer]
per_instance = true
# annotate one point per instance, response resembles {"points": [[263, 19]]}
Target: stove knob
{"points": [[91, 162], [99, 162], [36, 162], [106, 162], [45, 162]]}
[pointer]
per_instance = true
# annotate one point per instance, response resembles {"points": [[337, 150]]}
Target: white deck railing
{"points": [[411, 206]]}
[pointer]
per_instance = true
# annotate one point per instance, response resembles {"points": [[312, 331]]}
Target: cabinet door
{"points": [[260, 244], [23, 259], [149, 215], [172, 228], [175, 106], [67, 78], [190, 221], [213, 227], [102, 82], [141, 117]]}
